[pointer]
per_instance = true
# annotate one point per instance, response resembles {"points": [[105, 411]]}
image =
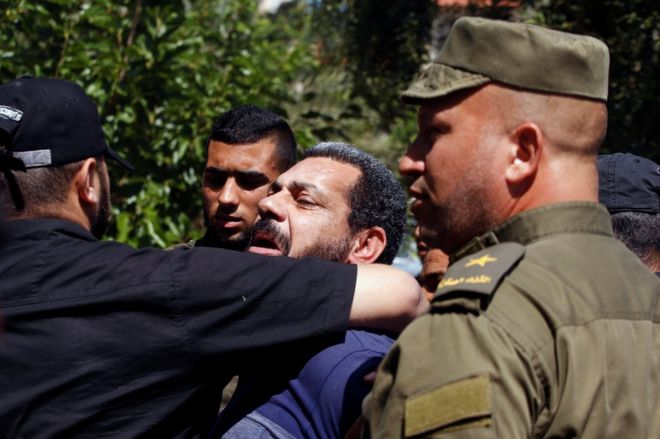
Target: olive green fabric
{"points": [[570, 340], [480, 50], [467, 402]]}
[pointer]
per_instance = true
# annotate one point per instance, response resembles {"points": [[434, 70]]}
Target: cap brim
{"points": [[438, 80], [116, 157]]}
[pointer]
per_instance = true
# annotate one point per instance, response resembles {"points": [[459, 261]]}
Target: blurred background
{"points": [[161, 71]]}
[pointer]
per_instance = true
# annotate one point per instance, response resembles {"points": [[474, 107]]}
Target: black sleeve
{"points": [[232, 302]]}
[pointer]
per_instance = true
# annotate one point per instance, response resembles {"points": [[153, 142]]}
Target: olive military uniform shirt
{"points": [[547, 327]]}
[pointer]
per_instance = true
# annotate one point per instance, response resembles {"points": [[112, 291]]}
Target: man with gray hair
{"points": [[340, 204], [544, 324]]}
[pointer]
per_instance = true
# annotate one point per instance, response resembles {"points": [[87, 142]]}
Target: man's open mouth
{"points": [[265, 241], [268, 241]]}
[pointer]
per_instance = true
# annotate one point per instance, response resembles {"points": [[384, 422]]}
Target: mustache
{"points": [[268, 228]]}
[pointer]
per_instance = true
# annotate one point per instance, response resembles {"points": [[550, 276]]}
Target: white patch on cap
{"points": [[10, 113], [32, 159]]}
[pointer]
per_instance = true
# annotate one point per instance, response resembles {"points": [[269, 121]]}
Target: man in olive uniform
{"points": [[544, 325]]}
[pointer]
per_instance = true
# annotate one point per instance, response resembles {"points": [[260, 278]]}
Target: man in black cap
{"points": [[100, 339], [629, 186]]}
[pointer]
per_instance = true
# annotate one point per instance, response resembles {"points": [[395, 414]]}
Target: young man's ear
{"points": [[88, 183], [367, 246], [526, 146]]}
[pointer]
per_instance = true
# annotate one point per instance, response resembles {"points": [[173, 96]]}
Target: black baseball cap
{"points": [[50, 122], [628, 183]]}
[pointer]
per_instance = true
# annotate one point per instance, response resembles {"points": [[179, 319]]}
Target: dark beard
{"points": [[102, 218], [335, 251], [330, 251]]}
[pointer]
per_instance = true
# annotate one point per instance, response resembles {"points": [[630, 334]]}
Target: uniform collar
{"points": [[534, 224]]}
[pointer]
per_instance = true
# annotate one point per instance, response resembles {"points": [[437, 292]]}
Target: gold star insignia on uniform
{"points": [[482, 261]]}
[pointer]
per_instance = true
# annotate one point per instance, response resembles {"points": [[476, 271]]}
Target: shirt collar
{"points": [[15, 229], [534, 224]]}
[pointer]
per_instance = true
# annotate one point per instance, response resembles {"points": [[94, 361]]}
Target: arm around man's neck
{"points": [[385, 298]]}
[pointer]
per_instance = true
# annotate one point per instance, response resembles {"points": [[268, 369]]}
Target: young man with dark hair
{"points": [[248, 148], [102, 339], [340, 204]]}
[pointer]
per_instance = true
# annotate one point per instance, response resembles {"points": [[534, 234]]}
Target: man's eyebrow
{"points": [[246, 173], [311, 187], [254, 175], [215, 170], [275, 186]]}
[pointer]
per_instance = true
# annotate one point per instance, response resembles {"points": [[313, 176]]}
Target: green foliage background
{"points": [[160, 73]]}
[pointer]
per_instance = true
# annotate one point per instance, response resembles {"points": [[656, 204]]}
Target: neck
{"points": [[565, 179], [63, 211]]}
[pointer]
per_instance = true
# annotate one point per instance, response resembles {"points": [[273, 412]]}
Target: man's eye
{"points": [[436, 131], [215, 180], [306, 201], [251, 182]]}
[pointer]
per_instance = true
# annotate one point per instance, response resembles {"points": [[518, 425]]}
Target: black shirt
{"points": [[103, 340]]}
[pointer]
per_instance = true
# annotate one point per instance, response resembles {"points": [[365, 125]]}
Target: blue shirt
{"points": [[323, 400]]}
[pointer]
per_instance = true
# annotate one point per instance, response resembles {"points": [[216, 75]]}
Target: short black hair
{"points": [[376, 198], [39, 189], [250, 124], [640, 232]]}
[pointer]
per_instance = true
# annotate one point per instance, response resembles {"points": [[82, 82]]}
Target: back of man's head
{"points": [[629, 186], [47, 128], [376, 198], [249, 124]]}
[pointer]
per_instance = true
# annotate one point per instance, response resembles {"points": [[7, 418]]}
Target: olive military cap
{"points": [[479, 50]]}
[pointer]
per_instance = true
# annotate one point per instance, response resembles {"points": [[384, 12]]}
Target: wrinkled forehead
{"points": [[321, 176]]}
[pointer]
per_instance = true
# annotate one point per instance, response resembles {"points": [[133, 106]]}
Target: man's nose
{"points": [[272, 207], [412, 164], [228, 195]]}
